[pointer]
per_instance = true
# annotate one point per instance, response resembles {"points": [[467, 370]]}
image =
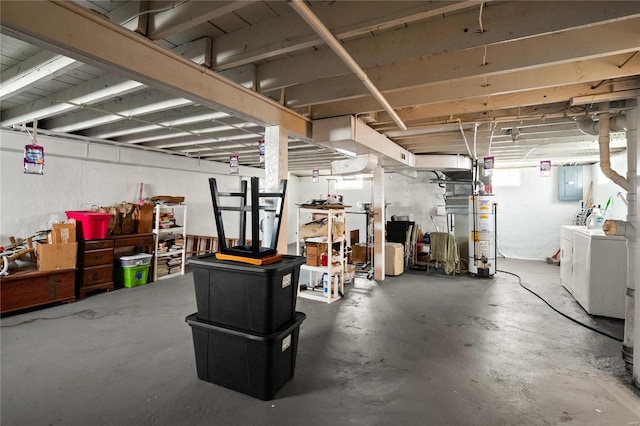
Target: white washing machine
{"points": [[599, 279]]}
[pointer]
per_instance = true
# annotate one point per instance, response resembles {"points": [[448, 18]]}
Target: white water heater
{"points": [[482, 240]]}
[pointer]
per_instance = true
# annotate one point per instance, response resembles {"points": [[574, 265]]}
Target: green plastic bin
{"points": [[132, 276]]}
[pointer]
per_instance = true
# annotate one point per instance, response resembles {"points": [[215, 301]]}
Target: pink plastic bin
{"points": [[92, 225]]}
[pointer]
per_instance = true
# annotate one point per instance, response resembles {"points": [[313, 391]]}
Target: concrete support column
{"points": [[633, 254], [276, 159], [378, 223]]}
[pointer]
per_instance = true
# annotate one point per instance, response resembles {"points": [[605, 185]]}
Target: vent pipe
{"points": [[633, 254], [617, 123], [628, 229], [605, 154]]}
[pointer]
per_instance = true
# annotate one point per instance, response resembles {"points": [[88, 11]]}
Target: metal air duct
{"points": [[350, 134], [365, 163]]}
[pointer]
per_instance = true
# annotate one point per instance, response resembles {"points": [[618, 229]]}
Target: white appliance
{"points": [[482, 247], [567, 233], [599, 272]]}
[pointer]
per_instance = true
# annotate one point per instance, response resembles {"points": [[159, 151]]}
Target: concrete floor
{"points": [[410, 350]]}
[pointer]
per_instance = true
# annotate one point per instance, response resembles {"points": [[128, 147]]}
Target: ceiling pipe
{"points": [[628, 229], [335, 45], [605, 154], [617, 123], [633, 253]]}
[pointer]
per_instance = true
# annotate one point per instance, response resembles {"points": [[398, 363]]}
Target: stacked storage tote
{"points": [[482, 247], [245, 332]]}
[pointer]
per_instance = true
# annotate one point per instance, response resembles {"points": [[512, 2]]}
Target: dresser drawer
{"points": [[97, 244], [97, 275], [142, 240], [98, 257]]}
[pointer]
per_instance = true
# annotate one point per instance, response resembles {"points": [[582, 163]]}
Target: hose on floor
{"points": [[561, 313]]}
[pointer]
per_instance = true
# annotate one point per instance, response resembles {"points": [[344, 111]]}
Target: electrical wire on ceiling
{"points": [[480, 18], [558, 311], [628, 59]]}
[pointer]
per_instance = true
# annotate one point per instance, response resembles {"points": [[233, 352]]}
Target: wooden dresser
{"points": [[96, 260], [29, 287], [95, 266]]}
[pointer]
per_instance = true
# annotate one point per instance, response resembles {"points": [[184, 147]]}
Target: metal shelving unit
{"points": [[332, 270], [172, 258]]}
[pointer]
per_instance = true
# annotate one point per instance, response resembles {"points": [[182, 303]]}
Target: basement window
{"points": [[506, 177], [348, 184]]}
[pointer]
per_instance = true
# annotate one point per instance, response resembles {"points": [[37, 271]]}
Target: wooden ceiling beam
{"points": [[75, 32]]}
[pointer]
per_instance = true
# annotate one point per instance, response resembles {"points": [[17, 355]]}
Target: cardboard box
{"points": [[63, 233], [144, 222], [58, 256], [393, 258], [314, 251], [359, 253]]}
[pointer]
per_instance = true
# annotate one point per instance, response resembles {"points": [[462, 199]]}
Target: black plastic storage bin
{"points": [[254, 364], [258, 299]]}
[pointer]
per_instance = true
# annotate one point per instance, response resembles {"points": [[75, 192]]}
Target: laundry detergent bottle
{"points": [[595, 220]]}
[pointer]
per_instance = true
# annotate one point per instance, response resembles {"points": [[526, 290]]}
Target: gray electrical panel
{"points": [[570, 183]]}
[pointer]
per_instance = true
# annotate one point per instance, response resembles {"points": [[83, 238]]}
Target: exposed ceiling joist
{"points": [[514, 85], [283, 35], [91, 92], [181, 16], [43, 65], [477, 87], [430, 39], [82, 36]]}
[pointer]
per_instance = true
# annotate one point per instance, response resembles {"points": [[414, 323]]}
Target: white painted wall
{"points": [[529, 216], [78, 175]]}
